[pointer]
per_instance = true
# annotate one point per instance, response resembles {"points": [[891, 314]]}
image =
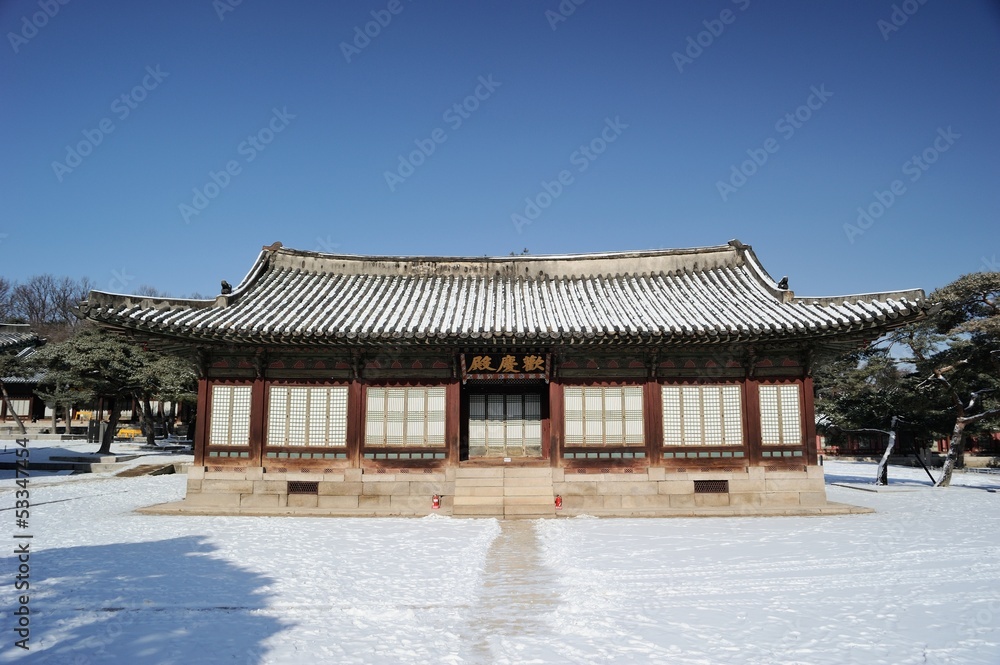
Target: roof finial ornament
{"points": [[783, 283], [227, 288], [273, 247]]}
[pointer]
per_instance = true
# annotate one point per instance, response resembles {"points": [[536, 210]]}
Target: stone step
{"points": [[478, 482], [542, 481], [537, 490], [528, 472], [479, 472], [529, 500], [468, 500]]}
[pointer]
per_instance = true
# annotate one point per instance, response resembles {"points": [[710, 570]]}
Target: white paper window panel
{"points": [[405, 416], [477, 420], [780, 417], [702, 415], [505, 422], [306, 416], [230, 417], [603, 416], [21, 407]]}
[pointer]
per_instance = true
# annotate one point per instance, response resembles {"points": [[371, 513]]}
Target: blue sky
{"points": [[164, 143]]}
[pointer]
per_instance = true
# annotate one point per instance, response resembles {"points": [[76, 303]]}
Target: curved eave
{"points": [[194, 336]]}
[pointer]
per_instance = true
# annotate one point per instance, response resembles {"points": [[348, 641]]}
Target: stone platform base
{"points": [[831, 508], [508, 492]]}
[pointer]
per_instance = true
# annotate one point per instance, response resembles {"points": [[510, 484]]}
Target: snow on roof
{"points": [[14, 336], [663, 297]]}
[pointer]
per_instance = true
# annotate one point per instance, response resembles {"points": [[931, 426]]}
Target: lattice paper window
{"points": [[405, 417], [21, 407], [702, 416], [505, 425], [604, 416], [780, 416], [230, 420], [307, 416]]}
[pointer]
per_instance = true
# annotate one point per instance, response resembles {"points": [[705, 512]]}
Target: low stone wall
{"points": [[348, 492], [662, 492]]}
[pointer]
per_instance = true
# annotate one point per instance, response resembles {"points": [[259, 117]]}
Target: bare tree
{"points": [[150, 291], [47, 304], [5, 311], [33, 300], [66, 296]]}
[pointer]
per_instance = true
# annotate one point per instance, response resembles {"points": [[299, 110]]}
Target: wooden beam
{"points": [[557, 425], [258, 418], [751, 420], [809, 420], [202, 416], [653, 421]]}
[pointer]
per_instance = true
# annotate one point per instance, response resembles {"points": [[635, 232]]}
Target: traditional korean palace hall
{"points": [[654, 383]]}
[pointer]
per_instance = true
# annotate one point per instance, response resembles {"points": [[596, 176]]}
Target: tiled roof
{"points": [[15, 336], [37, 377], [663, 297]]}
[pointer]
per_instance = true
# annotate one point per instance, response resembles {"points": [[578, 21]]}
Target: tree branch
{"points": [[979, 416]]}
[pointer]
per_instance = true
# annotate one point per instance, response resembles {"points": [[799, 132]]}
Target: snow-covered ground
{"points": [[916, 582]]}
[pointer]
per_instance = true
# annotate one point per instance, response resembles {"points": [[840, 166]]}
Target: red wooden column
{"points": [[203, 416], [751, 422], [355, 421], [453, 421], [652, 399], [809, 420], [557, 425], [258, 415]]}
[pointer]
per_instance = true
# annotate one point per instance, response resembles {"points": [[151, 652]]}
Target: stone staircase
{"points": [[504, 492]]}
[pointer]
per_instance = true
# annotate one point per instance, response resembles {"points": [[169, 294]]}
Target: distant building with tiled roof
{"points": [[19, 339]]}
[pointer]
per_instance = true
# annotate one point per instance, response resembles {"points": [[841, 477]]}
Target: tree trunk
{"points": [[882, 475], [144, 426], [172, 418], [954, 451], [149, 428], [109, 433], [10, 410]]}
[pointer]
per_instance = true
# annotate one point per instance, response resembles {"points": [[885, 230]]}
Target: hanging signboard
{"points": [[505, 366]]}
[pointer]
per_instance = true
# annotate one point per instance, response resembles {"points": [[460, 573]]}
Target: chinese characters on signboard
{"points": [[504, 366]]}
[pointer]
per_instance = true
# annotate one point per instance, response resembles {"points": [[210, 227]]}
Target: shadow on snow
{"points": [[167, 601]]}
